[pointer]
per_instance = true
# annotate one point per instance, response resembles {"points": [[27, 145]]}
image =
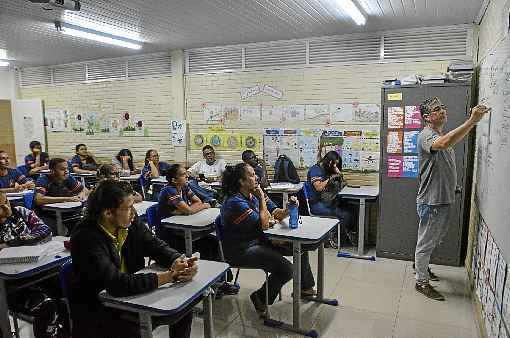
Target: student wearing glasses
{"points": [[111, 172], [207, 170], [11, 180], [108, 248]]}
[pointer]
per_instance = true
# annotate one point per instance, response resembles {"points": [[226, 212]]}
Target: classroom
{"points": [[187, 168]]}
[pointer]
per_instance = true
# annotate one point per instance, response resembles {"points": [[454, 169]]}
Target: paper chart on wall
{"points": [[272, 113], [308, 146], [271, 148], [212, 112], [57, 120], [366, 112], [317, 112], [250, 113], [412, 117], [341, 112], [410, 166], [395, 118], [231, 113], [178, 132], [294, 113], [394, 142], [411, 141], [369, 161], [351, 160], [395, 166]]}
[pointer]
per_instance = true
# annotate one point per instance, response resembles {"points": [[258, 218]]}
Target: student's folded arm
{"points": [[96, 268], [41, 199]]}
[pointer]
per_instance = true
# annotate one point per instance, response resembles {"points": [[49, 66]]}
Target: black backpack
{"points": [[285, 171]]}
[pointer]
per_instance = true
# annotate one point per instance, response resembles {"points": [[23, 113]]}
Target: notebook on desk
{"points": [[29, 254]]}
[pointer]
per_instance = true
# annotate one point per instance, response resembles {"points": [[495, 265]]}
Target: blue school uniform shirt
{"points": [[30, 160], [69, 187], [240, 217], [315, 173], [146, 171], [13, 176], [170, 197]]}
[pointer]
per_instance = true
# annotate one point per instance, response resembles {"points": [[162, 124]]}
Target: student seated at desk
{"points": [[207, 170], [124, 163], [37, 160], [11, 180], [326, 181], [251, 158], [57, 187], [83, 162], [245, 215], [107, 249], [110, 172], [20, 226], [153, 166]]}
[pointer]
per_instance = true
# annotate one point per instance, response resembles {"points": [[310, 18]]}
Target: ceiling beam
{"points": [[481, 12]]}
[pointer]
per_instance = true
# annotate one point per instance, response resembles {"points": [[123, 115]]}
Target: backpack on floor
{"points": [[285, 171]]}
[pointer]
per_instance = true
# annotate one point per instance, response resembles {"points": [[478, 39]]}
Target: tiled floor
{"points": [[377, 299]]}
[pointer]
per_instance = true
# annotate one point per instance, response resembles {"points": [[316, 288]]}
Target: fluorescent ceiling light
{"points": [[4, 64], [353, 11], [98, 36], [3, 54], [77, 20]]}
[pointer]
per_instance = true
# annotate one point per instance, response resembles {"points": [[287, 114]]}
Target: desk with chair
{"points": [[201, 221], [141, 207], [60, 209], [46, 267], [172, 298], [82, 177], [25, 198], [284, 188], [312, 230]]}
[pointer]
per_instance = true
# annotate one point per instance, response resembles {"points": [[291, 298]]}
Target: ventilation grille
{"points": [[426, 44], [35, 76], [148, 65], [200, 60], [69, 73], [276, 54], [345, 50]]}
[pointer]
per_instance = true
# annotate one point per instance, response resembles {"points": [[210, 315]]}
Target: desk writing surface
{"points": [[83, 174], [312, 229], [54, 258], [63, 205], [202, 218], [160, 180], [172, 297], [141, 207], [362, 191], [129, 178], [285, 186]]}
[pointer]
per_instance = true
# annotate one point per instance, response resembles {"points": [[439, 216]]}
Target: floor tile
{"points": [[410, 328]]}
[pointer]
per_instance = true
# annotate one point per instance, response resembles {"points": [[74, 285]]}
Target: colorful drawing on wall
{"points": [[92, 123], [341, 112], [412, 117], [114, 127], [366, 112], [126, 122], [294, 113], [233, 142], [250, 113], [411, 166], [395, 166], [271, 113], [411, 141], [198, 141], [351, 160], [317, 112], [77, 123], [178, 132], [216, 140], [251, 141], [231, 113], [57, 120], [212, 112], [394, 142], [369, 161], [395, 118]]}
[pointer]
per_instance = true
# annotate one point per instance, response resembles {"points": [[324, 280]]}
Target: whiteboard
{"points": [[28, 125], [493, 146]]}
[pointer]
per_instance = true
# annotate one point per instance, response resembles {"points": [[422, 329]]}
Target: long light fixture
{"points": [[353, 11], [4, 64], [90, 34], [3, 58]]}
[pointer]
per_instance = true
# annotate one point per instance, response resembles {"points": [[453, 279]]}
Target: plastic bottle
{"points": [[293, 215]]}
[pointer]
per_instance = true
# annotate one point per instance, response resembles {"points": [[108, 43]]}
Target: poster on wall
{"points": [[412, 117], [231, 113], [411, 141], [395, 118], [250, 113], [77, 123], [251, 142], [317, 112], [308, 146], [341, 112], [271, 148], [410, 166], [272, 91], [92, 124], [366, 112], [57, 120], [394, 142], [178, 132], [212, 112], [294, 112], [272, 113], [351, 160], [247, 92], [370, 161], [233, 142], [395, 166]]}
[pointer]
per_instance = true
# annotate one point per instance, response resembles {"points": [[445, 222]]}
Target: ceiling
{"points": [[28, 33]]}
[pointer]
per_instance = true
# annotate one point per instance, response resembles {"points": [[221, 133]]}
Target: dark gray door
{"points": [[398, 221]]}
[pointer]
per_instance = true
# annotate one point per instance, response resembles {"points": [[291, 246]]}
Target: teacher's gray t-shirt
{"points": [[438, 175]]}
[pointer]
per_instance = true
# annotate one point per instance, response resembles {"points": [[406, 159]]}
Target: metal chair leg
{"points": [[237, 276]]}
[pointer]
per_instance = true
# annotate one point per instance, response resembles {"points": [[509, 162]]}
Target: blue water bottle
{"points": [[293, 215]]}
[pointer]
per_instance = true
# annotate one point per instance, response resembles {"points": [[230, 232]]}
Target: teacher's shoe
{"points": [[429, 291], [432, 276], [259, 305]]}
